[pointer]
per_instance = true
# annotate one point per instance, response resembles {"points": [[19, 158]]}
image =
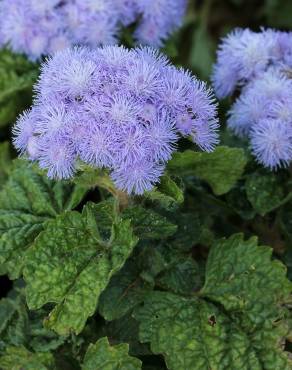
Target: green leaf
{"points": [[241, 276], [126, 289], [17, 77], [193, 334], [181, 276], [168, 194], [220, 169], [19, 358], [19, 327], [126, 330], [70, 264], [13, 322], [149, 266], [265, 192], [5, 161], [90, 177], [237, 200], [202, 52], [148, 224], [237, 321], [189, 231], [27, 201], [103, 356]]}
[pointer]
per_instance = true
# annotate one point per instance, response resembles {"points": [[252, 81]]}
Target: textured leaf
{"points": [[181, 276], [245, 331], [19, 327], [13, 322], [193, 334], [237, 200], [19, 358], [126, 330], [5, 161], [265, 192], [148, 224], [149, 266], [189, 231], [92, 177], [168, 194], [241, 276], [126, 289], [102, 356], [220, 169], [27, 201], [70, 264]]}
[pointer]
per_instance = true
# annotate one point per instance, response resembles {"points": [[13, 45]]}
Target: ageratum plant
{"points": [[260, 64], [136, 232], [38, 28], [115, 109]]}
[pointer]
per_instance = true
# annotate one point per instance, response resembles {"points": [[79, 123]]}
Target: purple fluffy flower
{"points": [[159, 19], [24, 129], [138, 178], [43, 27], [115, 109], [259, 64], [57, 156], [271, 142]]}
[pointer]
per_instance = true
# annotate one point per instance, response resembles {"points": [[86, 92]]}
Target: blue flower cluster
{"points": [[260, 65], [116, 109], [42, 27]]}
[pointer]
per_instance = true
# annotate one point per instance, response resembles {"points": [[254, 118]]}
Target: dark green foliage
{"points": [[194, 275]]}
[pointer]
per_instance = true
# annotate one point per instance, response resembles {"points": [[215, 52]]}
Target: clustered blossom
{"points": [[42, 27], [117, 109], [260, 64]]}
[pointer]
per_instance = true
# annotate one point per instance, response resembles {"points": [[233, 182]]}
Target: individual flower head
{"points": [[97, 147], [161, 136], [128, 10], [142, 79], [160, 18], [57, 156], [51, 118], [140, 177], [281, 109], [248, 109], [258, 100], [121, 109], [285, 47], [224, 78], [199, 119], [176, 88], [253, 51], [15, 24], [225, 74], [24, 129], [241, 56], [97, 31], [130, 144], [27, 27], [110, 109], [71, 74], [271, 142]]}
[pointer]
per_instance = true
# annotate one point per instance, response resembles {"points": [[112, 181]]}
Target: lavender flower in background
{"points": [[260, 66], [42, 27], [115, 109]]}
